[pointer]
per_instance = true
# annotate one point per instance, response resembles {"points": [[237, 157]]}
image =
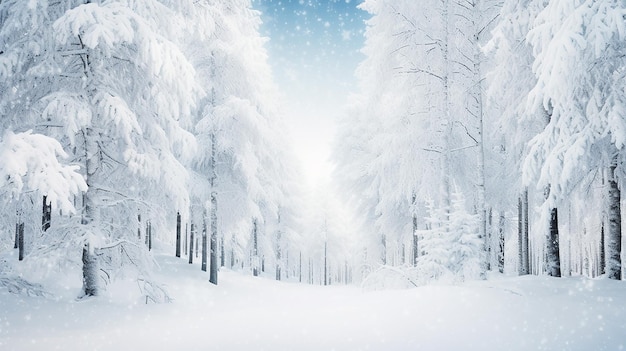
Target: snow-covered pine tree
{"points": [[579, 67], [433, 262], [120, 130], [508, 84], [421, 93], [467, 253], [241, 161]]}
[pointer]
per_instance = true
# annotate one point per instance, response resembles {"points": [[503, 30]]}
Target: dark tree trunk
{"points": [[139, 226], [178, 234], [501, 223], [552, 250], [149, 232], [20, 241], [191, 238], [602, 264], [614, 237], [214, 266], [46, 214]]}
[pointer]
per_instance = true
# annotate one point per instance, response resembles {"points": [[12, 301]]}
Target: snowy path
{"points": [[246, 313]]}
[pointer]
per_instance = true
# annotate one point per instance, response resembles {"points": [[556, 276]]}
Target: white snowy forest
{"points": [[151, 197]]}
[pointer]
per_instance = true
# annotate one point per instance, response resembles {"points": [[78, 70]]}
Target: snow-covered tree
{"points": [[112, 87], [579, 67], [420, 104], [242, 160], [509, 83]]}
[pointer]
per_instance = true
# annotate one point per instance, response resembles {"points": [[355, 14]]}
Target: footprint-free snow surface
{"points": [[247, 313]]}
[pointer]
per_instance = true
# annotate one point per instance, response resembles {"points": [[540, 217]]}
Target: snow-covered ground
{"points": [[247, 313]]}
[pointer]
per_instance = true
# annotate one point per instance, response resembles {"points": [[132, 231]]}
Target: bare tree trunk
{"points": [[501, 224], [147, 236], [383, 253], [90, 214], [522, 222], [232, 258], [20, 241], [553, 263], [286, 265], [310, 271], [213, 253], [191, 238], [279, 235], [489, 244], [222, 252], [520, 237], [139, 226], [204, 247], [149, 232], [300, 268], [614, 237], [46, 214], [178, 234], [482, 202], [90, 272], [255, 249], [525, 236], [415, 247], [213, 214], [326, 262], [601, 251]]}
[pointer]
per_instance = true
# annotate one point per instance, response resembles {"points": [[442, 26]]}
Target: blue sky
{"points": [[314, 49], [323, 36]]}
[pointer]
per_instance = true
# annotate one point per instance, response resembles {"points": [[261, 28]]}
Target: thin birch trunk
{"points": [[204, 256], [501, 242], [178, 234], [614, 235], [213, 214], [255, 249]]}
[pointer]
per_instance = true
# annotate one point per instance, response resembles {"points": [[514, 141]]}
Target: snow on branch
{"points": [[30, 161]]}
